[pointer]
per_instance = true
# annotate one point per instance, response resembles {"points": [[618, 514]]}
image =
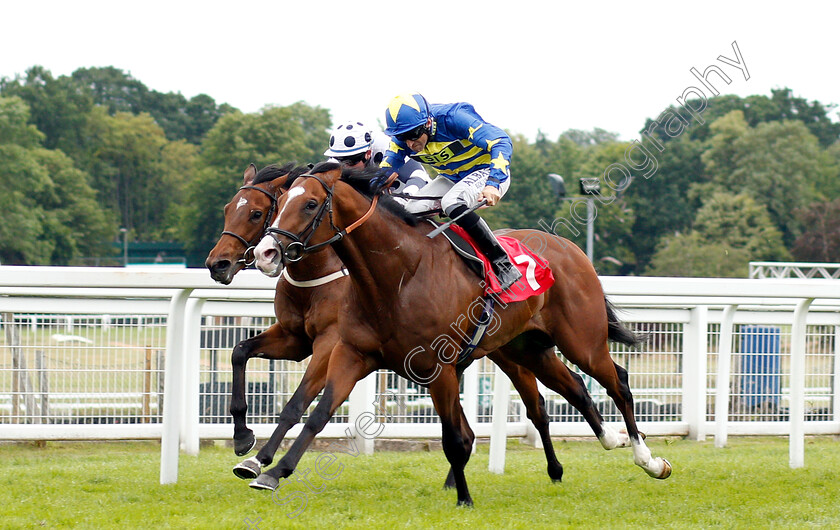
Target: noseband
{"points": [[250, 245], [299, 247]]}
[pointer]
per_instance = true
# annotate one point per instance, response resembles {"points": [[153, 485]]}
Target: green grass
{"points": [[115, 485]]}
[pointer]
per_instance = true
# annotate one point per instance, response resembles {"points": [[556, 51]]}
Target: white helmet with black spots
{"points": [[350, 138], [381, 143]]}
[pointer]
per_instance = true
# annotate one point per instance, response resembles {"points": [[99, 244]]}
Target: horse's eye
{"points": [[311, 204], [256, 215]]}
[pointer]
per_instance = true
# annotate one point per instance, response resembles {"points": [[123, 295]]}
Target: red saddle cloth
{"points": [[536, 274]]}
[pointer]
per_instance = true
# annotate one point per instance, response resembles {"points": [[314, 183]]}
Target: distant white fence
{"points": [[100, 353], [784, 269]]}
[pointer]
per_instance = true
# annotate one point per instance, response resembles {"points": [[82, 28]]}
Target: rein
{"points": [[250, 245], [299, 247]]}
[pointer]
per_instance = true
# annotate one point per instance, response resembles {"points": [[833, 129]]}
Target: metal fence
{"points": [[112, 351], [61, 368], [78, 369]]}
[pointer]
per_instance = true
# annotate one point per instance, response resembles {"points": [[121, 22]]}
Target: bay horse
{"points": [[293, 336], [407, 290], [306, 313]]}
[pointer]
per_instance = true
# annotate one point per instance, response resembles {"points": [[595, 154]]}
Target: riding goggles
{"points": [[413, 134]]}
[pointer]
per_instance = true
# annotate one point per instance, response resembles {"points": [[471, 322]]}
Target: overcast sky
{"points": [[525, 66]]}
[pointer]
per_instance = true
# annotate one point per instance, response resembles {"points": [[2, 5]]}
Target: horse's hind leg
{"points": [[526, 384], [578, 396], [598, 363], [655, 467], [543, 362]]}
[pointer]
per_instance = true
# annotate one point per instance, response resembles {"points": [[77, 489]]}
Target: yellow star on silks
{"points": [[491, 143], [500, 163], [473, 129], [397, 103]]}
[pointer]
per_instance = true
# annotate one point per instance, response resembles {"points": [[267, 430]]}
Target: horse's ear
{"points": [[279, 182], [250, 173], [331, 176]]}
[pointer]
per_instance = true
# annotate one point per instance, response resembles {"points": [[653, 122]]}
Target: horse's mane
{"points": [[359, 180], [274, 171]]}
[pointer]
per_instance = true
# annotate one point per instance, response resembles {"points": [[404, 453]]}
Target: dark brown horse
{"points": [[306, 313], [407, 290], [293, 336]]}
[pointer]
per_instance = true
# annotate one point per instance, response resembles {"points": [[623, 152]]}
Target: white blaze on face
{"points": [[294, 192], [268, 267], [242, 202]]}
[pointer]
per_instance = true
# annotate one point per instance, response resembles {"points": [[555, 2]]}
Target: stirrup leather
{"points": [[506, 273]]}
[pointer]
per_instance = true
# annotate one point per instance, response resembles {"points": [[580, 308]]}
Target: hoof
{"points": [[248, 469], [466, 502], [265, 482], [555, 473], [243, 446], [666, 470]]}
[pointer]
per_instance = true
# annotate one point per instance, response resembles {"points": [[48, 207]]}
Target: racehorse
{"points": [[305, 304], [406, 292], [300, 323]]}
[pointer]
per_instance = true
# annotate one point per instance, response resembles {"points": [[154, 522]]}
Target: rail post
{"points": [[173, 387]]}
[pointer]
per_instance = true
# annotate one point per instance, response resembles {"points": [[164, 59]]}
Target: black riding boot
{"points": [[487, 243]]}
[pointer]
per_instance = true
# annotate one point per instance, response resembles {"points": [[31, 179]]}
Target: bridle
{"points": [[250, 245], [299, 247]]}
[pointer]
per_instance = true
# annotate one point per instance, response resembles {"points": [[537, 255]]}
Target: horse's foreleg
{"points": [[457, 437], [346, 366], [526, 384], [449, 483], [273, 343], [310, 385]]}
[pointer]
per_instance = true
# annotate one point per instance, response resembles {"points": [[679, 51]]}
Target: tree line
{"points": [[84, 155]]}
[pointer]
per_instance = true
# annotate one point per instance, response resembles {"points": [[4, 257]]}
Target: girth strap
{"points": [[480, 330]]}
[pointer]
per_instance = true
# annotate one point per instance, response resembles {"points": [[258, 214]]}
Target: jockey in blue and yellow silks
{"points": [[471, 157]]}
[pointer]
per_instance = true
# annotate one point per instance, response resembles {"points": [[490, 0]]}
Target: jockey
{"points": [[353, 145], [471, 157]]}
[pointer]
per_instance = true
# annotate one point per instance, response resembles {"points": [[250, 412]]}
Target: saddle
{"points": [[464, 249], [536, 273]]}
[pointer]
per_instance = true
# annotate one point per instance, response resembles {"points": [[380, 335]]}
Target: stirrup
{"points": [[506, 273]]}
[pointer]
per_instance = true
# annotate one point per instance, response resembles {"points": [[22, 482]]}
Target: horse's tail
{"points": [[617, 331]]}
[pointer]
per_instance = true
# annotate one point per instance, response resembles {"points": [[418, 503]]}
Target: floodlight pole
{"points": [[125, 246], [590, 227], [589, 187]]}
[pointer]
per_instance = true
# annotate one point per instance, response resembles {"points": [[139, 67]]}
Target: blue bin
{"points": [[760, 366]]}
